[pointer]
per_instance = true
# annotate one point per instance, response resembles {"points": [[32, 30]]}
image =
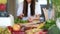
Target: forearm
{"points": [[45, 13]]}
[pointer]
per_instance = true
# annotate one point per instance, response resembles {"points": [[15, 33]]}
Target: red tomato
{"points": [[2, 7], [17, 32], [40, 32], [45, 31], [10, 28]]}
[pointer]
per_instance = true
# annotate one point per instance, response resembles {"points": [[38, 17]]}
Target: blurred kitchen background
{"points": [[13, 5]]}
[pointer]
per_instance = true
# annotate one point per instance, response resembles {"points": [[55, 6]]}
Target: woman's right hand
{"points": [[21, 16]]}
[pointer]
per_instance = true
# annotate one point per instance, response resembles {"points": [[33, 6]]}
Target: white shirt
{"points": [[37, 9], [29, 10]]}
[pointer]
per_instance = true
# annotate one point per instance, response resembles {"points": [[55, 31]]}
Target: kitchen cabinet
{"points": [[11, 7]]}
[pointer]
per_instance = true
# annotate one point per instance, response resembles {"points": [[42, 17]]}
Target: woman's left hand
{"points": [[30, 19]]}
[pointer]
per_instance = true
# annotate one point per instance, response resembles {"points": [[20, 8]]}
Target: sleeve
{"points": [[38, 9], [19, 10]]}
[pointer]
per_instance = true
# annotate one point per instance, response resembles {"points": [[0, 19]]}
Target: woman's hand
{"points": [[37, 17], [30, 19], [21, 16]]}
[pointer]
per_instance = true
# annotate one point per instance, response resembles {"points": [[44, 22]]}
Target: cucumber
{"points": [[20, 21]]}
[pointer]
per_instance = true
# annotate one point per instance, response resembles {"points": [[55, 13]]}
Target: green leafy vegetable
{"points": [[49, 23], [20, 21]]}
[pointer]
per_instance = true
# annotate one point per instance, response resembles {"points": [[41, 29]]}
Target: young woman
{"points": [[28, 10]]}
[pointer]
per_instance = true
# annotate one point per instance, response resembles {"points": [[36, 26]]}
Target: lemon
{"points": [[16, 27], [3, 1]]}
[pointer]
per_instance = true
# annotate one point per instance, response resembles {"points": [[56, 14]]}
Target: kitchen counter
{"points": [[6, 21]]}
